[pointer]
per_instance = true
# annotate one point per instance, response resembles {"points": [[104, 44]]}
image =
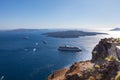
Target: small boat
{"points": [[36, 43], [69, 48], [44, 42], [26, 37], [34, 49], [25, 49]]}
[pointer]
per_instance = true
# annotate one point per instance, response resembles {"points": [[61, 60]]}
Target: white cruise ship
{"points": [[69, 48]]}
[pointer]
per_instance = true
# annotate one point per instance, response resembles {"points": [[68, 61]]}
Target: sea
{"points": [[29, 55]]}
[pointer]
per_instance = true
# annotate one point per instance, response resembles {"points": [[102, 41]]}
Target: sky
{"points": [[51, 14]]}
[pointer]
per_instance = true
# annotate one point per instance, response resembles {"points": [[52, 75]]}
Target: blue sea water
{"points": [[31, 59]]}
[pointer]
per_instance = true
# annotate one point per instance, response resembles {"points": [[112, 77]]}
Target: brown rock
{"points": [[101, 67]]}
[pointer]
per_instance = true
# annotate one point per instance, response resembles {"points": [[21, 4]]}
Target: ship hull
{"points": [[71, 50]]}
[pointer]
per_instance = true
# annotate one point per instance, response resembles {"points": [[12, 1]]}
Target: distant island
{"points": [[115, 29], [70, 34]]}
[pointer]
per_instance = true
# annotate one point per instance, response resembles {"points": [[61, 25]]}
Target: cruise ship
{"points": [[69, 48]]}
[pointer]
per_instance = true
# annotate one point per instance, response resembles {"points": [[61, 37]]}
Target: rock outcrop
{"points": [[106, 47], [104, 65]]}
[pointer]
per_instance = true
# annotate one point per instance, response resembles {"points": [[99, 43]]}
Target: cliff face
{"points": [[100, 51], [106, 47], [104, 64]]}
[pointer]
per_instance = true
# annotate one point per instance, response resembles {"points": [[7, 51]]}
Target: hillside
{"points": [[104, 64], [70, 34], [115, 29]]}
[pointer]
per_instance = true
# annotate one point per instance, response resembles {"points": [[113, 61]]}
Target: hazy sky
{"points": [[59, 14]]}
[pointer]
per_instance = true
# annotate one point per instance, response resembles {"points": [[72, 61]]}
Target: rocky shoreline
{"points": [[104, 65]]}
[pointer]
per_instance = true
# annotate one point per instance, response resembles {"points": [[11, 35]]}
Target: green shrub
{"points": [[117, 39], [117, 77], [99, 76], [90, 69], [97, 66], [91, 78], [110, 58]]}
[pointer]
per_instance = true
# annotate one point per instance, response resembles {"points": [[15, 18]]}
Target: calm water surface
{"points": [[31, 59]]}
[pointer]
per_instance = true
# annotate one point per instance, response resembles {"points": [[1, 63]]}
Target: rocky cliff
{"points": [[104, 64]]}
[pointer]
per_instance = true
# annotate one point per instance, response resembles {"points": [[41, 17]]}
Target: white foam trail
{"points": [[2, 78], [25, 49], [34, 49]]}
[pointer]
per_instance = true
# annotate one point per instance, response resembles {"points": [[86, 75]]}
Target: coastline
{"points": [[103, 61], [70, 34]]}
